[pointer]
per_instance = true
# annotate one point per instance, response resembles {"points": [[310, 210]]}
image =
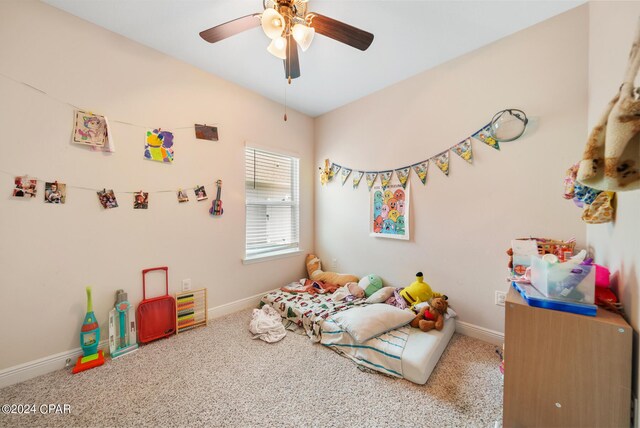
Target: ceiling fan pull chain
{"points": [[285, 102]]}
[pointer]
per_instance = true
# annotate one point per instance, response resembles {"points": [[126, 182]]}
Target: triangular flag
{"points": [[484, 135], [345, 174], [421, 169], [403, 175], [463, 150], [357, 176], [371, 178], [335, 168], [385, 178], [442, 161]]}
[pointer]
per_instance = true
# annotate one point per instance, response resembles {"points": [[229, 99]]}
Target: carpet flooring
{"points": [[219, 377]]}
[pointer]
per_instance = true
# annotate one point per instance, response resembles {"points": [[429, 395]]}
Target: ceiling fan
{"points": [[288, 24]]}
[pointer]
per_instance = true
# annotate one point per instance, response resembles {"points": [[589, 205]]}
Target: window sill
{"points": [[271, 256]]}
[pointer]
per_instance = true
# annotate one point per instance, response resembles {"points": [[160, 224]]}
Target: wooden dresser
{"points": [[565, 370]]}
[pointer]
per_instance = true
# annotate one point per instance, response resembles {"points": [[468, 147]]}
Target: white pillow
{"points": [[381, 295], [450, 312], [366, 322]]}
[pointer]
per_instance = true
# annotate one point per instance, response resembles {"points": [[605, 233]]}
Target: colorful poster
{"points": [[403, 175], [484, 135], [55, 193], [182, 196], [107, 199], [463, 150], [159, 146], [91, 129], [442, 161], [389, 211], [140, 200], [201, 194], [357, 176], [385, 177], [335, 168], [371, 178], [421, 170], [345, 174], [204, 132], [24, 187]]}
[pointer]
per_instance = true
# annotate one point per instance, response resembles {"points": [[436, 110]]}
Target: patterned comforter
{"points": [[306, 310]]}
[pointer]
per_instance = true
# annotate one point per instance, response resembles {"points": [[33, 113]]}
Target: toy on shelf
{"points": [[191, 309], [122, 328], [89, 340], [156, 316]]}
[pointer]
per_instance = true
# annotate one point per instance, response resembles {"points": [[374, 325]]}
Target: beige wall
{"points": [[48, 254], [463, 224], [612, 26]]}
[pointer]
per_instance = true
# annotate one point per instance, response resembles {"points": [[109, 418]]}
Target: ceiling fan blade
{"points": [[231, 28], [292, 64], [340, 31]]}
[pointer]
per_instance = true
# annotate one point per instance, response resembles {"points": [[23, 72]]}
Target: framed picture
{"points": [[389, 211]]}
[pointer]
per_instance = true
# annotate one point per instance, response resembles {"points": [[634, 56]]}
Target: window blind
{"points": [[272, 202]]}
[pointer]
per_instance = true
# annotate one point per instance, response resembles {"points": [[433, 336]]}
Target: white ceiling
{"points": [[410, 37]]}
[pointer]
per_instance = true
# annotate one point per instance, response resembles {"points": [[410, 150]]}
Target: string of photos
{"points": [[93, 130], [506, 125]]}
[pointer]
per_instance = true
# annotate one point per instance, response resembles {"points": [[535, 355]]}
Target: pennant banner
{"points": [[421, 170], [463, 150], [371, 178], [484, 135], [385, 177], [335, 168], [442, 161], [345, 174], [357, 176], [403, 175]]}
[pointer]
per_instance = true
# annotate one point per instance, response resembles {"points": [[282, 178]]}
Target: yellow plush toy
{"points": [[315, 272], [419, 291]]}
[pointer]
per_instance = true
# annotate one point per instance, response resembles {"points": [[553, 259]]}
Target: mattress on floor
{"points": [[406, 352], [306, 310]]}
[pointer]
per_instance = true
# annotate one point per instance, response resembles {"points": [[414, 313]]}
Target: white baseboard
{"points": [[484, 334], [51, 363], [31, 369], [238, 305]]}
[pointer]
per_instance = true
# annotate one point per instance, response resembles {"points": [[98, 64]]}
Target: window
{"points": [[272, 203]]}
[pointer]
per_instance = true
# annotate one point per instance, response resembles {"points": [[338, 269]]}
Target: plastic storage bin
{"points": [[566, 281]]}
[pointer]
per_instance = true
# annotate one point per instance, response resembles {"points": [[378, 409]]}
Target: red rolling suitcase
{"points": [[156, 316]]}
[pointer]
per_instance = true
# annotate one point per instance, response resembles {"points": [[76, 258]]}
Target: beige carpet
{"points": [[219, 377]]}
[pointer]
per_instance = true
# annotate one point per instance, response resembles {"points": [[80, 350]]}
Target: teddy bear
{"points": [[315, 272], [431, 316]]}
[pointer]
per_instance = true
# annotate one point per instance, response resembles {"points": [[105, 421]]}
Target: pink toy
{"points": [[602, 276]]}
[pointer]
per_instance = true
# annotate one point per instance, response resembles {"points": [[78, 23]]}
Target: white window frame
{"points": [[277, 251]]}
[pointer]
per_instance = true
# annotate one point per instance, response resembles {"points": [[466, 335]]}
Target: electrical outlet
{"points": [[501, 296], [186, 284], [334, 264]]}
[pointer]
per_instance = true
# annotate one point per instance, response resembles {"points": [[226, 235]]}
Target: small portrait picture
{"points": [[24, 187], [107, 199], [182, 196], [140, 201], [204, 132], [90, 129], [55, 193], [201, 194]]}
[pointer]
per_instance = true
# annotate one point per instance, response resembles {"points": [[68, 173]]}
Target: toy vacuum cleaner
{"points": [[89, 340], [122, 333]]}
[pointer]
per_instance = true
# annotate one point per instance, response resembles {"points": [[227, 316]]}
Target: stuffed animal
{"points": [[419, 291], [315, 272], [431, 316], [370, 284]]}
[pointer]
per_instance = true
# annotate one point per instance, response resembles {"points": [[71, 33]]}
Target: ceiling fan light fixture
{"points": [[272, 23], [278, 47], [303, 35]]}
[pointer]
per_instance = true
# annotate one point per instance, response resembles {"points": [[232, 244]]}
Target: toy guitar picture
{"points": [[216, 205]]}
